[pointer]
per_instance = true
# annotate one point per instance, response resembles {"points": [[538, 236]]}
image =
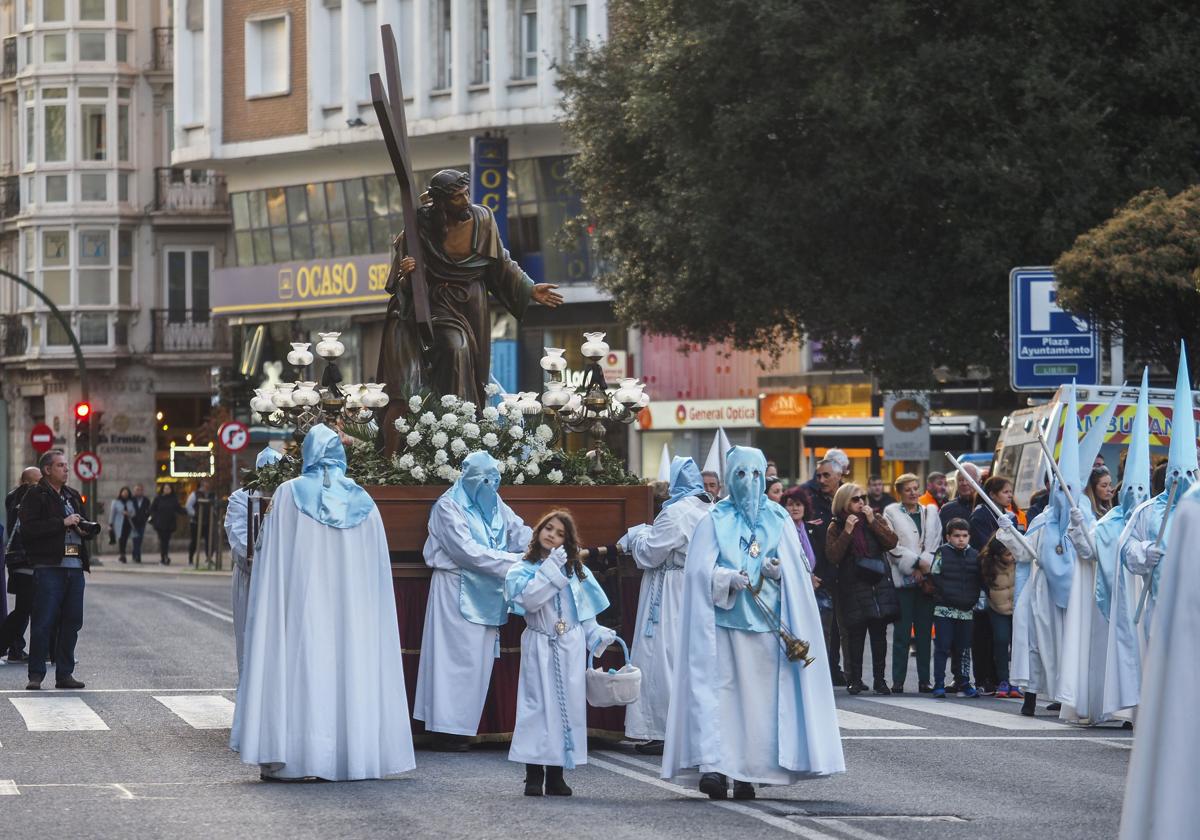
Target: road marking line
{"points": [[123, 690], [846, 828], [745, 810], [853, 720], [201, 711], [126, 794], [1012, 738], [8, 788], [968, 714], [58, 714], [204, 608]]}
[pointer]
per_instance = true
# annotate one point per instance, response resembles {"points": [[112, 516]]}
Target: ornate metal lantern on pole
{"points": [[591, 407], [304, 403]]}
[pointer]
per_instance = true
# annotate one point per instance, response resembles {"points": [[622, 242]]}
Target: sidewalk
{"points": [[151, 566]]}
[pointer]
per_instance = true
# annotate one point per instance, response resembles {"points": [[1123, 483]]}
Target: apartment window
{"points": [[123, 11], [333, 26], [95, 267], [27, 18], [268, 56], [122, 132], [405, 45], [93, 122], [56, 263], [30, 135], [187, 285], [577, 15], [92, 46], [125, 267], [122, 48], [93, 186], [371, 44], [528, 51], [444, 44], [56, 188], [482, 73], [91, 9], [194, 15], [54, 125], [54, 11], [123, 187], [93, 329], [54, 48]]}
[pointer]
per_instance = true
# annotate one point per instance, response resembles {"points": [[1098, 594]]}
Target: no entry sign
{"points": [[234, 436], [42, 438], [87, 466]]}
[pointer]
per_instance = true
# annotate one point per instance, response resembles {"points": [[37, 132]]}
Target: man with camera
{"points": [[55, 534]]}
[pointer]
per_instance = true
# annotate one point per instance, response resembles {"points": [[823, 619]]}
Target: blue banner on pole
{"points": [[489, 179]]}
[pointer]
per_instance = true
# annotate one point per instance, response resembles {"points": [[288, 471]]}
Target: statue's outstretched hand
{"points": [[407, 265], [544, 294]]}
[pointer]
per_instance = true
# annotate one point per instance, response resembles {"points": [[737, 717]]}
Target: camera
{"points": [[87, 529]]}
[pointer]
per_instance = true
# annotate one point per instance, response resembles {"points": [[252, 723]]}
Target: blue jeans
{"points": [[1001, 643], [57, 600], [138, 535], [953, 642]]}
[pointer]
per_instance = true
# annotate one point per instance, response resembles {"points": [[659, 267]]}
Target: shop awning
{"points": [[821, 428]]}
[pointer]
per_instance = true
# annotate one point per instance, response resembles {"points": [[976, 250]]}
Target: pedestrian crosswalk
{"points": [[134, 710]]}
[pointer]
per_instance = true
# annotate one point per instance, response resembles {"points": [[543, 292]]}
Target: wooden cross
{"points": [[389, 109]]}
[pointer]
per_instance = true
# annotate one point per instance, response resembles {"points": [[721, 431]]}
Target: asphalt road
{"points": [[143, 752]]}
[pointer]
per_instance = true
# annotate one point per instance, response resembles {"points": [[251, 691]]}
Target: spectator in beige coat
{"points": [[918, 533]]}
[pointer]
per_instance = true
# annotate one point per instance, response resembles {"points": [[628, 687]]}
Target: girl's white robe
{"points": [[457, 655], [1160, 791], [660, 551], [538, 737], [322, 687], [738, 706]]}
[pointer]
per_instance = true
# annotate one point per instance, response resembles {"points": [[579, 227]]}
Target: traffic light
{"points": [[83, 425]]}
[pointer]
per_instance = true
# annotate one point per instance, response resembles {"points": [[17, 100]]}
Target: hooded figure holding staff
{"points": [[740, 707]]}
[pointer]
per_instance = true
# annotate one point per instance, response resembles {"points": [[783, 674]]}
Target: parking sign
{"points": [[1050, 347]]}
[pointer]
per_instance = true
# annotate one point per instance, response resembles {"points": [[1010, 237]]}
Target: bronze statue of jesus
{"points": [[464, 260]]}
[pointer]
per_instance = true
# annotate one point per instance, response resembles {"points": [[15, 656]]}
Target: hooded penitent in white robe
{"points": [[1085, 637], [322, 687], [1160, 790], [551, 726], [738, 705], [660, 551], [461, 639], [1037, 626], [236, 527]]}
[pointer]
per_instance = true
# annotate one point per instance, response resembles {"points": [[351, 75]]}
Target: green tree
{"points": [[1136, 274], [867, 173]]}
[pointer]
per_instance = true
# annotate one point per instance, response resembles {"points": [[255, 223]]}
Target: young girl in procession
{"points": [[560, 600]]}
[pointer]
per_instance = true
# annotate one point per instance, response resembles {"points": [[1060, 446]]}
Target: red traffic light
{"points": [[82, 410]]}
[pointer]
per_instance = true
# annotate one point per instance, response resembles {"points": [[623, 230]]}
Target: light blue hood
{"points": [[481, 596], [267, 456], [685, 480], [323, 492]]}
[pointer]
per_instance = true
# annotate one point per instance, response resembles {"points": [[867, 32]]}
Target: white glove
{"points": [[772, 568], [1005, 523], [1154, 553], [925, 562], [1076, 517], [739, 582], [559, 556]]}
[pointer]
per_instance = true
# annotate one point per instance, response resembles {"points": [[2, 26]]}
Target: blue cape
{"points": [[322, 491]]}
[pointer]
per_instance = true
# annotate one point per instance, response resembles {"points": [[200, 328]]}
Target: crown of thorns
{"points": [[447, 182]]}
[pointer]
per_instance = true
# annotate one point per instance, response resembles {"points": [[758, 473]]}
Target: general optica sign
{"points": [[700, 414]]}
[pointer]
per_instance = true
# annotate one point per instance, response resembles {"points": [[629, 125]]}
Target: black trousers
{"points": [[164, 543], [982, 650], [123, 536], [855, 637], [12, 631], [833, 640]]}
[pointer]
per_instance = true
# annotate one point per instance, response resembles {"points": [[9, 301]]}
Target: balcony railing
{"points": [[164, 48], [189, 331], [190, 191], [10, 196], [14, 336], [10, 57]]}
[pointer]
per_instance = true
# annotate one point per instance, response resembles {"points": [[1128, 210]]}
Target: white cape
{"points": [[707, 735], [1084, 645], [322, 689], [660, 551], [1160, 790]]}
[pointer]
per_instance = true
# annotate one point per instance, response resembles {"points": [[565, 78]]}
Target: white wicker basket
{"points": [[619, 688]]}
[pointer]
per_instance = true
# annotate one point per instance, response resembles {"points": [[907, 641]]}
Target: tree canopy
{"points": [[867, 173], [1136, 274]]}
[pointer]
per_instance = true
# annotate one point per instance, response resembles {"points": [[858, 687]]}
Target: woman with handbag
{"points": [[560, 600], [856, 542], [918, 531], [120, 520]]}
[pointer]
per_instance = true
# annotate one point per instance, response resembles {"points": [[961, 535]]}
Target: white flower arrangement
{"points": [[491, 389], [554, 476], [439, 439], [445, 472], [449, 401], [502, 467], [467, 409], [428, 419], [519, 479], [449, 421], [413, 438], [415, 403], [458, 446], [418, 474], [490, 440], [544, 433], [516, 432], [490, 414], [440, 457], [470, 431], [401, 426], [532, 469]]}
